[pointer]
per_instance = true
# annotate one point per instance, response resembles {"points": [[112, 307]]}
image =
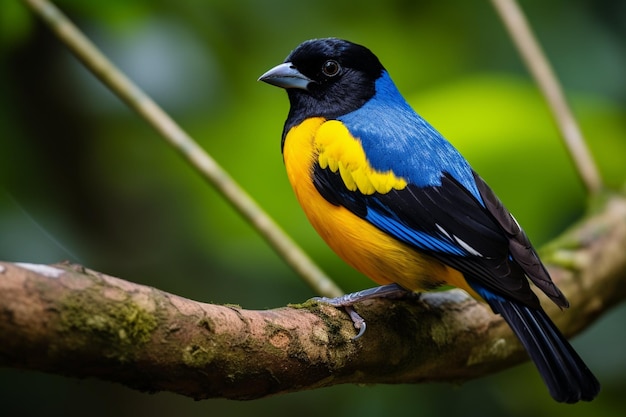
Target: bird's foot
{"points": [[391, 291]]}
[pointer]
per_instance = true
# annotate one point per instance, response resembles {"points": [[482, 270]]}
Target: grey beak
{"points": [[286, 76]]}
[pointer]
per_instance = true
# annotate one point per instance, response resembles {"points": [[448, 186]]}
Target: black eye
{"points": [[331, 68]]}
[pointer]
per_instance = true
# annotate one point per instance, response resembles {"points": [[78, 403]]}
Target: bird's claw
{"points": [[391, 291], [357, 320]]}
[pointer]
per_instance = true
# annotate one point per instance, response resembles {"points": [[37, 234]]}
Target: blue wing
{"points": [[446, 222]]}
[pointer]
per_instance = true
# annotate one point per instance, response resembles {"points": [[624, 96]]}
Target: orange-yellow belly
{"points": [[366, 248]]}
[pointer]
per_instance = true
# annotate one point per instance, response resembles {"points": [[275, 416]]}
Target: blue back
{"points": [[394, 137]]}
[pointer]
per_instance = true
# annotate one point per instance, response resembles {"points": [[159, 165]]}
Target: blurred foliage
{"points": [[85, 179]]}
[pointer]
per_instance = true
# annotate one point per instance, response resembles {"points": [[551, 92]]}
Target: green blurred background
{"points": [[84, 179]]}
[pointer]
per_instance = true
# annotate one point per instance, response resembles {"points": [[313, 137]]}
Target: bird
{"points": [[399, 203]]}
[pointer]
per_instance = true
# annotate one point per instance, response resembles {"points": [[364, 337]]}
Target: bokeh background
{"points": [[84, 179]]}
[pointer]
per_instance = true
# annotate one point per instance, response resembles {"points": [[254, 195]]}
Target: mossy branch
{"points": [[72, 321]]}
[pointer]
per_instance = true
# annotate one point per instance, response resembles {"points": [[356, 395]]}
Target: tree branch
{"points": [[522, 35], [69, 320]]}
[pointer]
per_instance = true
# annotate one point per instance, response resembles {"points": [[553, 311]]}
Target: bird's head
{"points": [[327, 77]]}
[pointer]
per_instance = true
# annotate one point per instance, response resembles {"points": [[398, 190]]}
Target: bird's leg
{"points": [[391, 291]]}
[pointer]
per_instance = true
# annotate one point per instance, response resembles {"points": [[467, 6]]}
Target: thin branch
{"points": [[68, 320], [534, 58], [136, 99]]}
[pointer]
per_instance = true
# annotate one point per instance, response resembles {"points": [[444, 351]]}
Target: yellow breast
{"points": [[366, 248]]}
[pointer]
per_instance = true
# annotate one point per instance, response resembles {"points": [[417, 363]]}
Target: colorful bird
{"points": [[399, 203]]}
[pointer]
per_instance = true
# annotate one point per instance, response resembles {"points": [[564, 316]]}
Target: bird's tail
{"points": [[564, 372]]}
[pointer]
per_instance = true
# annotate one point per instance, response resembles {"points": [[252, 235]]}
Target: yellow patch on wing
{"points": [[339, 151]]}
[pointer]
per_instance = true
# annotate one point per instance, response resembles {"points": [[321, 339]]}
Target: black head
{"points": [[326, 77]]}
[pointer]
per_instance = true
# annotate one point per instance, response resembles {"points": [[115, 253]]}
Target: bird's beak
{"points": [[286, 76]]}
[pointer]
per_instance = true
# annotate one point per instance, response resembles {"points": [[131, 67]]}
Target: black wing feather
{"points": [[449, 206], [519, 245]]}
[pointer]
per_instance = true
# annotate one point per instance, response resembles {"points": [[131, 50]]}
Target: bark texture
{"points": [[69, 320]]}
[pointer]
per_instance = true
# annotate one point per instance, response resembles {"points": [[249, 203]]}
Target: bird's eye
{"points": [[331, 68]]}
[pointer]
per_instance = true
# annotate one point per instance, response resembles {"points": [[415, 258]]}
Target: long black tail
{"points": [[564, 372]]}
